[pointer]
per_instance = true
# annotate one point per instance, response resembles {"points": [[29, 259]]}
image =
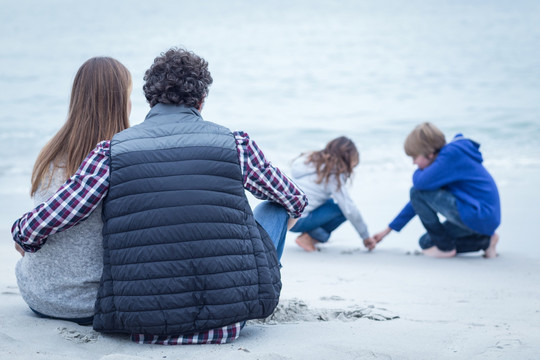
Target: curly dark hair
{"points": [[177, 77]]}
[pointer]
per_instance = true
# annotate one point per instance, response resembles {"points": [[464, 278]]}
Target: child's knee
{"points": [[416, 195], [425, 241]]}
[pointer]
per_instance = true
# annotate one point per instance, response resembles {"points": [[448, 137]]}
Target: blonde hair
{"points": [[98, 109], [340, 156], [425, 139]]}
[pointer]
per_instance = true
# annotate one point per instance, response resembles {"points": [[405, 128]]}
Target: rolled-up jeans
{"points": [[273, 218], [450, 234], [320, 223]]}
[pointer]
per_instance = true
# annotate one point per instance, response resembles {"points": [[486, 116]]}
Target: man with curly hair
{"points": [[186, 260]]}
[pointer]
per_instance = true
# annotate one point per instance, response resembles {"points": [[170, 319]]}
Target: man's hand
{"points": [[19, 249]]}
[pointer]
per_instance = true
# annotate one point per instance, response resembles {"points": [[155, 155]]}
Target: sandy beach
{"points": [[341, 303], [294, 75]]}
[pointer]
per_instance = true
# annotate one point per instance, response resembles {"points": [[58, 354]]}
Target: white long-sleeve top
{"points": [[305, 176]]}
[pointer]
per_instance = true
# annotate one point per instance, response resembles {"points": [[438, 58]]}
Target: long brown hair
{"points": [[98, 109], [340, 156]]}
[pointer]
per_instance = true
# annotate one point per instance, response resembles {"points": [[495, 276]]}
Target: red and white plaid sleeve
{"points": [[73, 202], [265, 181]]}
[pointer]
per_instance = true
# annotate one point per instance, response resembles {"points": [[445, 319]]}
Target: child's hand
{"points": [[370, 243], [380, 235]]}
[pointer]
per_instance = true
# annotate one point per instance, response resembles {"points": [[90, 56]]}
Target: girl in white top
{"points": [[322, 175]]}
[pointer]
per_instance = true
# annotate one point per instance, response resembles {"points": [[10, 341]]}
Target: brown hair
{"points": [[425, 139], [340, 156], [98, 109]]}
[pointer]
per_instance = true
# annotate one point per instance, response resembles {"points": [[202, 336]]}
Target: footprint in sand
{"points": [[295, 310], [332, 298], [507, 343], [372, 313], [351, 251], [503, 345], [11, 290], [78, 336]]}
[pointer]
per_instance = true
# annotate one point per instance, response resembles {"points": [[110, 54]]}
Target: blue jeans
{"points": [[451, 234], [273, 218], [320, 223]]}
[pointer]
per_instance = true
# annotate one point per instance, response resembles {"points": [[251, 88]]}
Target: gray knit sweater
{"points": [[62, 278]]}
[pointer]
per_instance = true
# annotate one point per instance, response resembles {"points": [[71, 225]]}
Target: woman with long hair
{"points": [[323, 176], [61, 280]]}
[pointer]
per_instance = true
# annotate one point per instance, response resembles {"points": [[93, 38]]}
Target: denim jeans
{"points": [[320, 223], [452, 233], [273, 218]]}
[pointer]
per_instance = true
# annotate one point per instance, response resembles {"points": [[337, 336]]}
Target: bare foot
{"points": [[436, 252], [306, 242], [491, 251]]}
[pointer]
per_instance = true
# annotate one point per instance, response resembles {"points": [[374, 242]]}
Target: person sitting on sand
{"points": [[61, 281], [185, 259], [323, 175], [450, 181]]}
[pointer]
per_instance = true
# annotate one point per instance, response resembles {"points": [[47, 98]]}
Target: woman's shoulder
{"points": [[301, 167]]}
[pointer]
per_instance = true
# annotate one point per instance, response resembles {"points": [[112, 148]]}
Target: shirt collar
{"points": [[170, 109]]}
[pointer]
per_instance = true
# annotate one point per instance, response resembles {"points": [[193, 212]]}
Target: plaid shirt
{"points": [[215, 336], [82, 193]]}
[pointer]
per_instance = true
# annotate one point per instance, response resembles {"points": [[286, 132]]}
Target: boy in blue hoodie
{"points": [[451, 181]]}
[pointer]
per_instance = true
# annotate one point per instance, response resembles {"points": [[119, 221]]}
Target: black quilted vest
{"points": [[182, 251]]}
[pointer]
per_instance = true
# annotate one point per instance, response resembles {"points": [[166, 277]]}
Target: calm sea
{"points": [[295, 74]]}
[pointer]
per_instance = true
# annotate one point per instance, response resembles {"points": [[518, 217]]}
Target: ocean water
{"points": [[295, 74]]}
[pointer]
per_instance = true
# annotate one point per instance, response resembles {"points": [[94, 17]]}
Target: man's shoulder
{"points": [[221, 128]]}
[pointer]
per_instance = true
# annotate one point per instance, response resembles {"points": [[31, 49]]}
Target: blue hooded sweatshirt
{"points": [[458, 168]]}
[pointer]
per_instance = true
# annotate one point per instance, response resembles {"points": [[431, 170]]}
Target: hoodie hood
{"points": [[469, 147]]}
